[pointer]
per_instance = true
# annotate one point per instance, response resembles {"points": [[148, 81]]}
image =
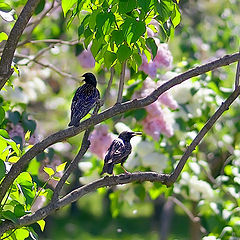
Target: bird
{"points": [[118, 151], [84, 99]]}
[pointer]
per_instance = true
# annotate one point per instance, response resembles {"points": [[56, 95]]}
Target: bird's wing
{"points": [[84, 100], [115, 152]]}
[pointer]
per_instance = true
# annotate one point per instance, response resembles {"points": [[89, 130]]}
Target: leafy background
{"points": [[37, 103]]}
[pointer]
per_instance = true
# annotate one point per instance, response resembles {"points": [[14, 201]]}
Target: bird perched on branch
{"points": [[84, 99], [119, 151]]}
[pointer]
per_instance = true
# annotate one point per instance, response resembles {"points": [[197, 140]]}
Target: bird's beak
{"points": [[137, 134]]}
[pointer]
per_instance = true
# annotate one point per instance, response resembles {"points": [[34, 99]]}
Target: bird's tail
{"points": [[73, 123], [107, 168]]}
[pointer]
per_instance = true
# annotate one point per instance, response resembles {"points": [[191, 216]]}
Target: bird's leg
{"points": [[125, 170]]}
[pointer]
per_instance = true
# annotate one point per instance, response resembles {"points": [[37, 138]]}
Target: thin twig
{"points": [[121, 83], [237, 74], [113, 111], [72, 165], [51, 66], [12, 41], [189, 214], [107, 92], [225, 105]]}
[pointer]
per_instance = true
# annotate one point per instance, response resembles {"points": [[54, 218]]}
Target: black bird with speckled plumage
{"points": [[119, 151], [84, 99]]}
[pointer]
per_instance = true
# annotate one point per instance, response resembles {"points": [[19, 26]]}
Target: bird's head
{"points": [[127, 135], [90, 79]]}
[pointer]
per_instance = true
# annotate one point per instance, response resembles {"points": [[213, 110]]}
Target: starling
{"points": [[119, 151], [84, 99]]}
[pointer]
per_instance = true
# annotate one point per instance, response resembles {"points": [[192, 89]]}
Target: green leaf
{"points": [[21, 233], [144, 4], [176, 16], [3, 36], [153, 46], [41, 223], [49, 171], [4, 133], [40, 7], [33, 167], [140, 191], [5, 7], [61, 167], [27, 135], [9, 215], [126, 6], [2, 169], [14, 117], [164, 8], [19, 210], [67, 4], [117, 37], [13, 159], [24, 177], [137, 58], [109, 58], [2, 114], [123, 53], [12, 144], [139, 114]]}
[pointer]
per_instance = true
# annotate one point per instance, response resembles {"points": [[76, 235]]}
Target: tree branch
{"points": [[109, 113], [107, 92], [13, 38], [121, 83], [107, 181], [237, 74], [225, 106], [79, 192], [189, 213], [72, 165]]}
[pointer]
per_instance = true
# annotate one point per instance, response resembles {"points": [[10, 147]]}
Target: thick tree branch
{"points": [[76, 194], [13, 38], [108, 113], [107, 181], [72, 165], [121, 83], [237, 74]]}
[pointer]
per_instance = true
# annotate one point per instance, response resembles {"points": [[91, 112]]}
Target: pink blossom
{"points": [[86, 59], [17, 130], [163, 59], [154, 126], [100, 140], [168, 100]]}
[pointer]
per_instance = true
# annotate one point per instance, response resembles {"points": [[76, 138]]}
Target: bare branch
{"points": [[51, 66], [188, 212], [121, 83], [118, 109], [225, 106], [72, 165], [237, 74], [13, 38], [107, 92], [79, 192]]}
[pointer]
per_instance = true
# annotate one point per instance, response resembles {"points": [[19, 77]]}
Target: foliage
{"points": [[36, 102]]}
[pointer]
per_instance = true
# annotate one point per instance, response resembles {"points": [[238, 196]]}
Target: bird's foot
{"points": [[126, 172]]}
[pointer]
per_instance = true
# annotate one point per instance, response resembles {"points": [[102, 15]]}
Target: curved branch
{"points": [[13, 38], [72, 165], [116, 109], [107, 181], [79, 192]]}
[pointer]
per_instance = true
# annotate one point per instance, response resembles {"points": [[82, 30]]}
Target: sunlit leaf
{"points": [[3, 36], [49, 171], [41, 223], [61, 167], [67, 4], [2, 169]]}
